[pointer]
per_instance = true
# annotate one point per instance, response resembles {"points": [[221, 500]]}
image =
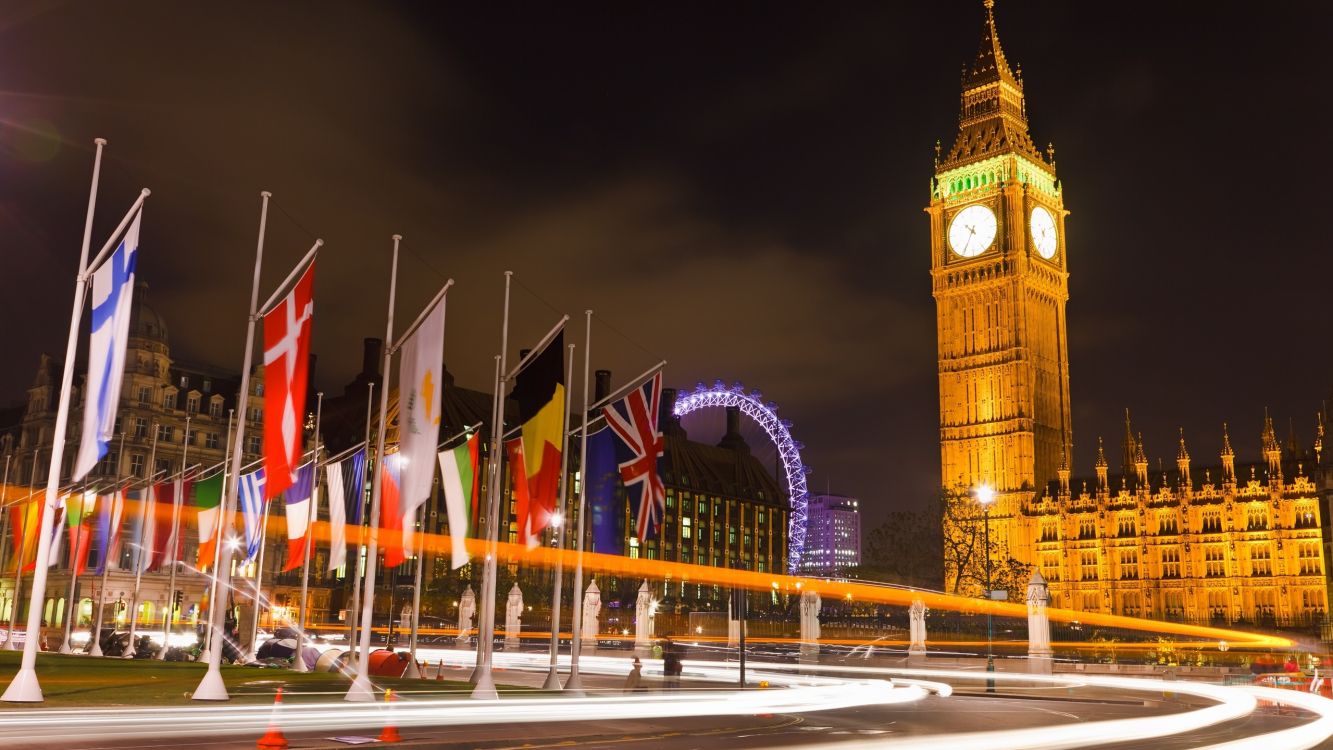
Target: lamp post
{"points": [[985, 498]]}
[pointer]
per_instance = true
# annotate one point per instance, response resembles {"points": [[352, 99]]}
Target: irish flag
{"points": [[208, 507], [79, 511], [458, 466]]}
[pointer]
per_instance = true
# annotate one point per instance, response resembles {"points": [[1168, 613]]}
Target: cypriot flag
{"points": [[419, 417]]}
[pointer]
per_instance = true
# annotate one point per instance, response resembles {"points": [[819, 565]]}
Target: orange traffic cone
{"points": [[439, 675], [390, 733], [273, 738]]}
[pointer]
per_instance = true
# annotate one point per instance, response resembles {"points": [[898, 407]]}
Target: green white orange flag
{"points": [[458, 467], [208, 504], [78, 513]]}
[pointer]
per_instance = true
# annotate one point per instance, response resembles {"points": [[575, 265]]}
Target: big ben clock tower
{"points": [[999, 272]]}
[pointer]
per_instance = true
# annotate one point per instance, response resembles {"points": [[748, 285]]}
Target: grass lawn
{"points": [[71, 681]]}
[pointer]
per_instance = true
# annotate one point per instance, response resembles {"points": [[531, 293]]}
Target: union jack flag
{"points": [[633, 419]]}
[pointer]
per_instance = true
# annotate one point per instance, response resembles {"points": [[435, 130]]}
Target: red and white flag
{"points": [[286, 367]]}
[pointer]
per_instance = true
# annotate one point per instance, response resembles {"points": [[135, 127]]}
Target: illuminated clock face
{"points": [[972, 231], [1043, 232]]}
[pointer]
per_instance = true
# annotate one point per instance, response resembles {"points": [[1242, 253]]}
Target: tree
{"points": [[963, 535], [904, 550]]}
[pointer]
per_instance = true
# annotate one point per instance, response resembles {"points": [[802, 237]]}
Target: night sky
{"points": [[736, 188]]}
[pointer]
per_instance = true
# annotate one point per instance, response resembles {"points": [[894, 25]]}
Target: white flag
{"points": [[53, 553], [419, 417], [113, 289]]}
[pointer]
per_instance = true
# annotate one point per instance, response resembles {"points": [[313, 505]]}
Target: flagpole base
{"points": [[361, 690], [485, 689], [413, 672], [574, 685], [204, 657], [9, 644], [24, 688], [96, 650], [553, 681], [64, 648], [211, 688]]}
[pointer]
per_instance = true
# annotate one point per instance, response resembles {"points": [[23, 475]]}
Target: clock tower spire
{"points": [[1000, 280]]}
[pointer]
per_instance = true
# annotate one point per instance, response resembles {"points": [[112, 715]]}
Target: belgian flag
{"points": [[539, 390]]}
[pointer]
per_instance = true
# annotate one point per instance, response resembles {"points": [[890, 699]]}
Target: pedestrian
{"points": [[671, 665], [634, 680]]}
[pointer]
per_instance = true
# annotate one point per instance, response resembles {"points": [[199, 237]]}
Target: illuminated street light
{"points": [[985, 495]]}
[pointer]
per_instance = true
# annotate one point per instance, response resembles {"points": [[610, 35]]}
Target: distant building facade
{"points": [[832, 535]]}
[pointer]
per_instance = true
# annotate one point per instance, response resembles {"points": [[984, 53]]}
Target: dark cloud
{"points": [[736, 188]]}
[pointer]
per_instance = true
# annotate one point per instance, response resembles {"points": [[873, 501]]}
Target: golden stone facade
{"points": [[1187, 545], [1170, 546], [1000, 282]]}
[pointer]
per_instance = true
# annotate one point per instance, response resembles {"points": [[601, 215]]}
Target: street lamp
{"points": [[985, 498]]}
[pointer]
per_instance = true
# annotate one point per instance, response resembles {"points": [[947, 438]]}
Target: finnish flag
{"points": [[113, 289]]}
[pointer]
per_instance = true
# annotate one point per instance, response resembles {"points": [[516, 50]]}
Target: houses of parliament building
{"points": [[1227, 543]]}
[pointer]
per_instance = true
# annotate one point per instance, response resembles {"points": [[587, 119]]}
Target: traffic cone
{"points": [[273, 738], [439, 674], [390, 733]]}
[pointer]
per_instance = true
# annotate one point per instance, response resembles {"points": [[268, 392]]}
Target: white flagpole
{"points": [[70, 601], [361, 689], [18, 566], [25, 688], [486, 532], [4, 535], [175, 541], [574, 685], [258, 581], [360, 501], [145, 545], [211, 687], [553, 676], [96, 648], [309, 539], [485, 685], [214, 589]]}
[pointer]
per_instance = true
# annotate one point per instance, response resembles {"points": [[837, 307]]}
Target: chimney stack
{"points": [[371, 352], [601, 385]]}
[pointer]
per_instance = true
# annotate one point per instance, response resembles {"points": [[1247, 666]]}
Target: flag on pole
{"points": [[111, 508], [177, 495], [299, 500], [113, 288], [80, 511], [251, 489], [144, 523], [459, 469], [419, 416], [286, 366], [208, 507], [633, 420], [54, 551], [391, 518], [342, 490], [520, 491], [539, 390], [25, 520], [604, 500]]}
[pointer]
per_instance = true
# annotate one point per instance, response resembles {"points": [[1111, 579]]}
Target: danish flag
{"points": [[286, 367], [633, 419]]}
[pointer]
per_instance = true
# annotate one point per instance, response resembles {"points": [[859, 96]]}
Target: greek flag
{"points": [[252, 510], [113, 288]]}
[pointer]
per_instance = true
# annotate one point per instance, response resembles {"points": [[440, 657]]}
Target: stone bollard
{"points": [[1039, 627], [467, 607], [810, 605], [513, 614], [645, 609], [916, 650], [592, 607]]}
